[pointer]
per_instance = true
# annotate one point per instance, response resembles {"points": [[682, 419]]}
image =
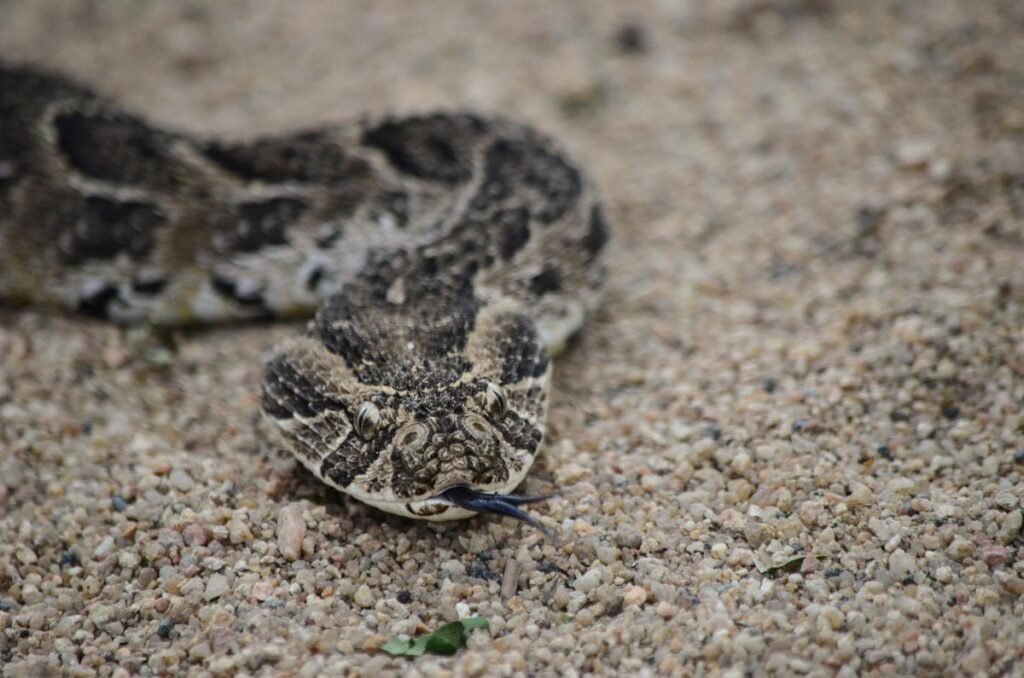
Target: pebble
{"points": [[901, 565], [634, 595], [105, 548], [165, 628], [180, 480], [364, 597], [194, 535], [587, 582], [216, 586], [960, 549], [291, 530], [1011, 583], [510, 578]]}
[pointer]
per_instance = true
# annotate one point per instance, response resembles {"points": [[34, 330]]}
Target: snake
{"points": [[444, 259]]}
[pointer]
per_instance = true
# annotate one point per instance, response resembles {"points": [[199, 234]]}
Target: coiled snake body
{"points": [[448, 255]]}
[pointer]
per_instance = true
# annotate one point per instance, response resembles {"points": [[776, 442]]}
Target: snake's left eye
{"points": [[367, 420], [495, 400]]}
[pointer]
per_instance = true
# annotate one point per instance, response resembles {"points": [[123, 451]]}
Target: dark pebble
{"points": [[165, 628], [885, 452], [1018, 456], [404, 597], [478, 570], [950, 412], [631, 38], [770, 385], [68, 559], [897, 415], [118, 503]]}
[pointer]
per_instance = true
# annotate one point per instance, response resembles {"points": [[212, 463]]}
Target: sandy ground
{"points": [[812, 347]]}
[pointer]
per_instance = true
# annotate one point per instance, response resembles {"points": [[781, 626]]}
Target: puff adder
{"points": [[446, 256]]}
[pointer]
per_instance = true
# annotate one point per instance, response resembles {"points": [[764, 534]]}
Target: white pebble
{"points": [[363, 597], [216, 587], [105, 548], [634, 595], [588, 581], [291, 529], [181, 480]]}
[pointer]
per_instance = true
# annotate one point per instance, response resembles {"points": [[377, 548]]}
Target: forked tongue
{"points": [[503, 504]]}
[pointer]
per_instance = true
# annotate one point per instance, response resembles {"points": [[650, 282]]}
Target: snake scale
{"points": [[446, 256]]}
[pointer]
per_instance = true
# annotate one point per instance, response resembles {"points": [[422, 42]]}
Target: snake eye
{"points": [[367, 420], [494, 400]]}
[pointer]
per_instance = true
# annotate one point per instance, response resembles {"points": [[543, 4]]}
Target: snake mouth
{"points": [[502, 504]]}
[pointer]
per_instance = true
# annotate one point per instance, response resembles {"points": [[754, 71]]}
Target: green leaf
{"points": [[396, 645], [790, 565], [446, 639], [471, 623]]}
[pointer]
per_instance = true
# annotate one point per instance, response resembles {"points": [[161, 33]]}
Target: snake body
{"points": [[446, 256]]}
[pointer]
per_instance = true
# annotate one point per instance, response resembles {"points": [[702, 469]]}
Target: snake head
{"points": [[502, 504]]}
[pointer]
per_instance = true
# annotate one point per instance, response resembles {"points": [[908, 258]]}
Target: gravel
{"points": [[790, 442]]}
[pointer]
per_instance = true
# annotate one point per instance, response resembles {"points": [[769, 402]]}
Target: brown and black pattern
{"points": [[446, 252]]}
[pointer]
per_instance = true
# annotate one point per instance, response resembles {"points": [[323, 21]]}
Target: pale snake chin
{"points": [[446, 257]]}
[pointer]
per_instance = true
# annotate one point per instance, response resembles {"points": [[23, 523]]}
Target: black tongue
{"points": [[504, 504]]}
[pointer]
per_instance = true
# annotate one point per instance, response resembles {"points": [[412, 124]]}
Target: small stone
{"points": [[104, 549], [666, 610], [1011, 527], [631, 38], [363, 597], [128, 560], [1006, 500], [831, 617], [860, 495], [30, 594], [995, 555], [587, 582], [1011, 583], [262, 590], [944, 574], [181, 480], [200, 652], [914, 153], [164, 629], [628, 539], [976, 662], [238, 532], [634, 595], [291, 529], [163, 661], [118, 503], [216, 586], [960, 549], [509, 580], [901, 565], [194, 535], [26, 555]]}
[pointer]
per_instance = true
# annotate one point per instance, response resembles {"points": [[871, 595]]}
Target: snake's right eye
{"points": [[367, 420]]}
